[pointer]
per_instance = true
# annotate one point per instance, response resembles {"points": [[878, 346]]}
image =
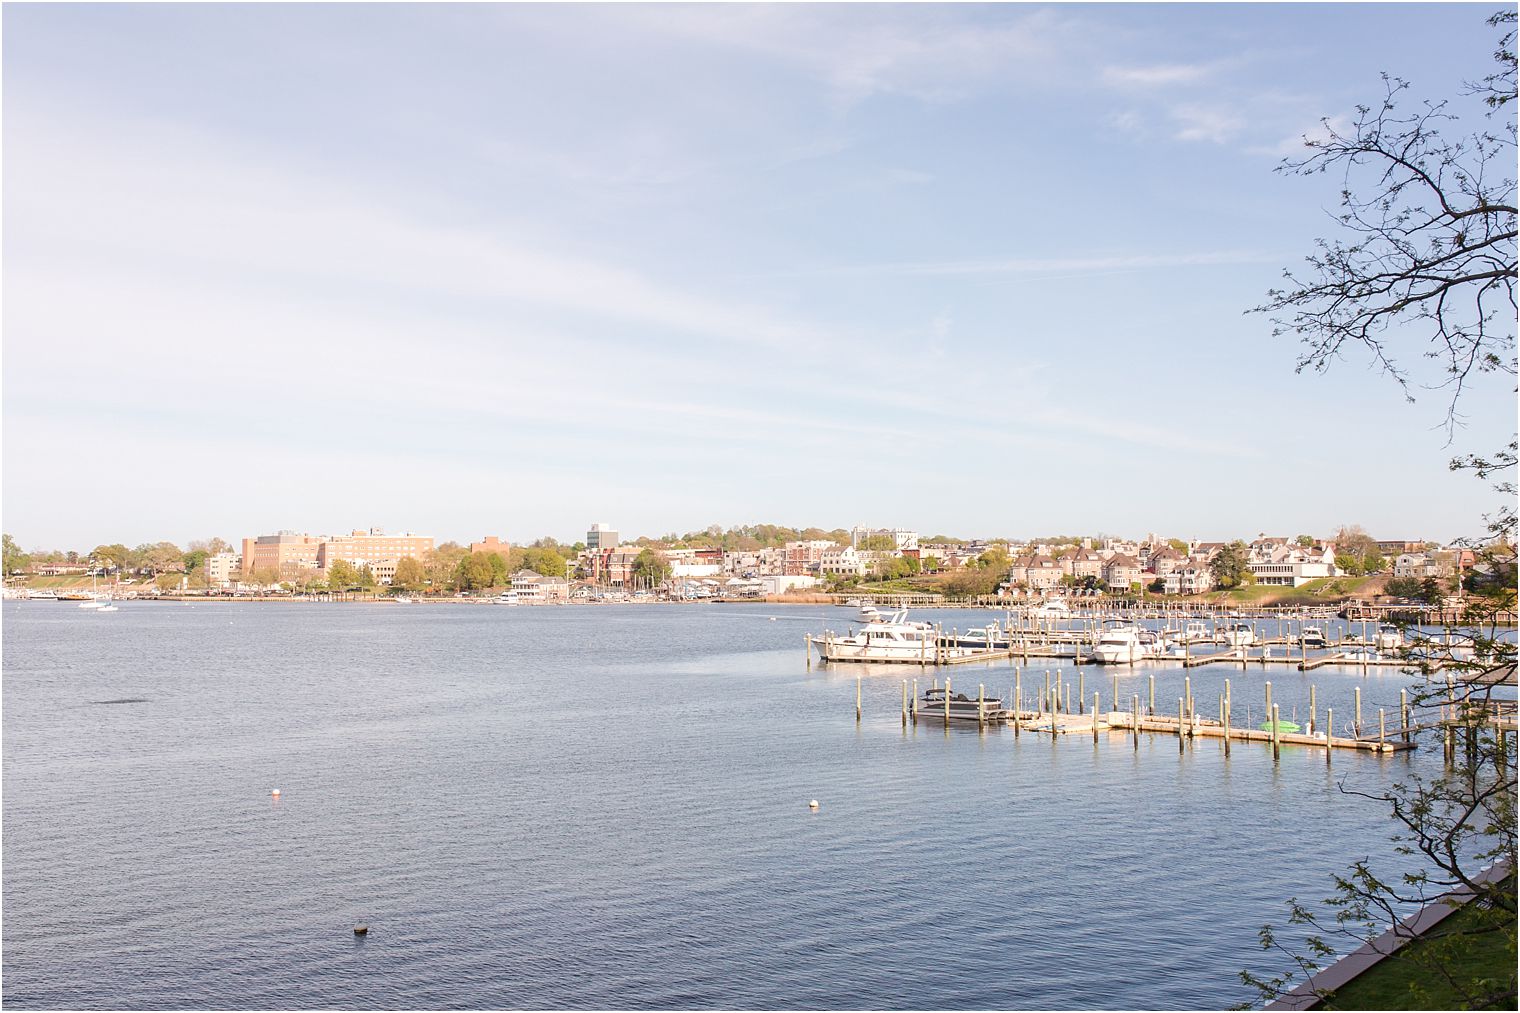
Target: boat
{"points": [[870, 614], [987, 638], [1194, 631], [1054, 607], [1282, 726], [1359, 653], [93, 603], [1240, 635], [1312, 636], [402, 599], [1389, 638], [1120, 645], [892, 638], [938, 702]]}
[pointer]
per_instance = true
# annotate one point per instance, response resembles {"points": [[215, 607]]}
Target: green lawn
{"points": [[1410, 979]]}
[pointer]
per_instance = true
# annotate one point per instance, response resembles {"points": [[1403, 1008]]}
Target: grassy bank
{"points": [[1417, 976]]}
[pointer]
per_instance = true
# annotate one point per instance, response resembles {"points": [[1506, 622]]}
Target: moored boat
{"points": [[893, 638], [940, 703]]}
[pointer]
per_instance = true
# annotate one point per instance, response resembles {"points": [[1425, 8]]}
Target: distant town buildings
{"points": [[288, 553], [601, 536], [491, 544]]}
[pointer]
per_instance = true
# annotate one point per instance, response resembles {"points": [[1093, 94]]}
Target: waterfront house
{"points": [[1121, 571]]}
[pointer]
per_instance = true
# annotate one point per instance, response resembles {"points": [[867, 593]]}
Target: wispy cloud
{"points": [[1157, 74], [1216, 124], [1297, 144], [1047, 265]]}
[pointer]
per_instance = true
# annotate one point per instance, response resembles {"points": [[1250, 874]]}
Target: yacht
{"points": [[1389, 638], [1120, 645], [1055, 607], [1240, 635], [1313, 636], [893, 638]]}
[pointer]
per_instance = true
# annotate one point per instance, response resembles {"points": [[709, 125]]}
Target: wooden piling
{"points": [[1276, 749], [1180, 705], [1081, 691], [1313, 710], [1134, 713], [1329, 733], [807, 641], [1404, 712], [1151, 699], [1095, 718], [1187, 692], [1356, 729], [1382, 726], [857, 699], [947, 701], [1224, 717], [1116, 692]]}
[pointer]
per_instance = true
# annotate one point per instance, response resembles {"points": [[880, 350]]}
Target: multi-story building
{"points": [[1278, 562], [842, 559], [1121, 571], [601, 536], [903, 540], [491, 544], [374, 549], [803, 558], [222, 568], [1035, 572], [533, 588], [286, 553]]}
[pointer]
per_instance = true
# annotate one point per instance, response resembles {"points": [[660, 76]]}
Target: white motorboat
{"points": [[1194, 631], [1056, 607], [1313, 636], [108, 607], [1389, 638], [1120, 645], [892, 638], [93, 603], [1240, 635]]}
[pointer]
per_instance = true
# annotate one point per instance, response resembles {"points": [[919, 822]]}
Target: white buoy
{"points": [[811, 805], [275, 793]]}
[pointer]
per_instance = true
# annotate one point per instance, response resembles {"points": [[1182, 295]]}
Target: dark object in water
{"points": [[361, 930], [125, 699]]}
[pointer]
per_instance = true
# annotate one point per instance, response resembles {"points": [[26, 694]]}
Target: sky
{"points": [[476, 269]]}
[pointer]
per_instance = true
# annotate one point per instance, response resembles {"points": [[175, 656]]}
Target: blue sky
{"points": [[477, 269]]}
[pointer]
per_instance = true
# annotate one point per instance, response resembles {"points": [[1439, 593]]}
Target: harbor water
{"points": [[607, 807]]}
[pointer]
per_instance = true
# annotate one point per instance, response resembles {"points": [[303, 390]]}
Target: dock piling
{"points": [[1180, 704], [1151, 700], [857, 699], [1095, 719], [1329, 734], [1276, 746], [1404, 712], [1356, 729]]}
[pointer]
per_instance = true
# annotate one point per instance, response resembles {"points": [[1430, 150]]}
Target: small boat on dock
{"points": [[1313, 636]]}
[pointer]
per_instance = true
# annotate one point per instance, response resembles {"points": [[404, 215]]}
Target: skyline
{"points": [[476, 270]]}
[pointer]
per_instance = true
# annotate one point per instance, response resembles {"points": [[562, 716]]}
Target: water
{"points": [[607, 807]]}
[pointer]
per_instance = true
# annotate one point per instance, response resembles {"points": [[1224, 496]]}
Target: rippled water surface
{"points": [[607, 807]]}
